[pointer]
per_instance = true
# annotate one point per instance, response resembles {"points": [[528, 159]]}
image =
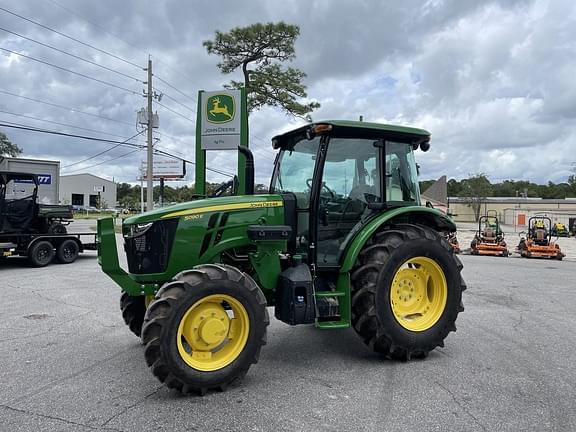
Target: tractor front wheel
{"points": [[205, 328], [133, 310], [407, 291]]}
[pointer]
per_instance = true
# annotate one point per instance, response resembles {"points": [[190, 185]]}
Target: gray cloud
{"points": [[492, 81]]}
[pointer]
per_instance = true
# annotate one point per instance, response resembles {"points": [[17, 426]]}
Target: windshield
{"points": [[295, 170]]}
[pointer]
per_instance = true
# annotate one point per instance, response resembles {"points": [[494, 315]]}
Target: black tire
{"points": [[133, 310], [372, 278], [67, 252], [174, 300], [41, 253], [57, 228]]}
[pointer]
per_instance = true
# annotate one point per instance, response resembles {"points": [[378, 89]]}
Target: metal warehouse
{"points": [[48, 173], [87, 190]]}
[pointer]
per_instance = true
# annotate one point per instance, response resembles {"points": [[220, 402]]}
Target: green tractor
{"points": [[340, 241]]}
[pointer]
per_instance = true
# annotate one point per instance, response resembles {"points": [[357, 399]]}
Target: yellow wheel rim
{"points": [[213, 332], [418, 294]]}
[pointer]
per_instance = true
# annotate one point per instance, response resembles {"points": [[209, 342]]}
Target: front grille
{"points": [[149, 252]]}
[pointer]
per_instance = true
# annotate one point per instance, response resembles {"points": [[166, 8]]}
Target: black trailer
{"points": [[41, 249], [33, 230]]}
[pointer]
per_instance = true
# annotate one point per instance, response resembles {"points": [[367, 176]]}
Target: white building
{"points": [[48, 173], [87, 190]]}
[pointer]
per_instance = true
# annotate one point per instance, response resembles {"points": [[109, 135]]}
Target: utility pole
{"points": [[149, 170]]}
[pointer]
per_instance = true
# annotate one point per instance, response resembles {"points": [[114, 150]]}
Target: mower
{"points": [[489, 239], [559, 230], [538, 243], [340, 241]]}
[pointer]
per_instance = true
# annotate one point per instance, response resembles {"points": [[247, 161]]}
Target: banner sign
{"points": [[43, 179], [220, 124], [165, 168]]}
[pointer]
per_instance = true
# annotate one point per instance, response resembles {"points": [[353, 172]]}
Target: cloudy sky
{"points": [[494, 81]]}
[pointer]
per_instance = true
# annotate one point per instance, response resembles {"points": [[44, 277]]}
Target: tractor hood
{"points": [[190, 208]]}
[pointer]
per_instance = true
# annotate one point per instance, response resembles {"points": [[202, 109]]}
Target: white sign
{"points": [[220, 125], [165, 168], [98, 188]]}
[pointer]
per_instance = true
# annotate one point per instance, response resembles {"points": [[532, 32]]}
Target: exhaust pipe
{"points": [[248, 170]]}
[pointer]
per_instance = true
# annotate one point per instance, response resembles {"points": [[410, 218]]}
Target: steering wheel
{"points": [[324, 187]]}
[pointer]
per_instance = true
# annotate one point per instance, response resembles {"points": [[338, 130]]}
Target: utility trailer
{"points": [[33, 230], [41, 249]]}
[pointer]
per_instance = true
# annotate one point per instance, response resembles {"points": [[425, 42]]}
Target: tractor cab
{"points": [[340, 174]]}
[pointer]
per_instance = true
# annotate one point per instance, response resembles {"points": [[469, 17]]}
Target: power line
{"points": [[182, 74], [70, 71], [194, 163], [96, 25], [175, 112], [102, 152], [159, 59], [65, 107], [4, 123], [174, 88], [71, 55], [103, 162], [62, 124], [71, 38], [176, 100], [20, 126]]}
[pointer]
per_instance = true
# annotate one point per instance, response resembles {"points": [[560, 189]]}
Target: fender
{"points": [[432, 218]]}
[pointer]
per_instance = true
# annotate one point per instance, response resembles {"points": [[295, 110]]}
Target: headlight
{"points": [[137, 230]]}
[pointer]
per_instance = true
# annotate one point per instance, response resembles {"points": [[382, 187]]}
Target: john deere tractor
{"points": [[340, 241]]}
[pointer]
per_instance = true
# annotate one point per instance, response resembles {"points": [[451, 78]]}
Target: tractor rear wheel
{"points": [[407, 291], [205, 328]]}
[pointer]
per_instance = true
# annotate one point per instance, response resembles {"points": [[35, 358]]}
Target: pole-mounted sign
{"points": [[222, 124]]}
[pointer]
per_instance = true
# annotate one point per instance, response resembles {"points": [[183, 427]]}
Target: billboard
{"points": [[220, 124], [166, 169]]}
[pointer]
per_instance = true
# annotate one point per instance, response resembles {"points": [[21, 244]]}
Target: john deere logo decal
{"points": [[220, 108]]}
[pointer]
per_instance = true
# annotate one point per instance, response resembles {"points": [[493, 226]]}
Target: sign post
{"points": [[221, 124]]}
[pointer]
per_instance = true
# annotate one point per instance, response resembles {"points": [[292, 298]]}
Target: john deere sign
{"points": [[220, 125], [220, 108]]}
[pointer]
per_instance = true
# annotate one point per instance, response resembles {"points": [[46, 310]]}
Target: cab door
{"points": [[350, 179]]}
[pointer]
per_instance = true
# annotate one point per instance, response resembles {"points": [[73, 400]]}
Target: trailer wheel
{"points": [[205, 328], [41, 253], [407, 291], [67, 252]]}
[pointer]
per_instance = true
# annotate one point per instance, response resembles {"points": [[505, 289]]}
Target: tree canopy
{"points": [[7, 148], [259, 50]]}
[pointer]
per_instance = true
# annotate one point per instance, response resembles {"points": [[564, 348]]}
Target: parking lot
{"points": [[68, 363]]}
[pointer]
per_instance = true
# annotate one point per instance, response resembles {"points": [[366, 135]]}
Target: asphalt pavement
{"points": [[68, 363]]}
